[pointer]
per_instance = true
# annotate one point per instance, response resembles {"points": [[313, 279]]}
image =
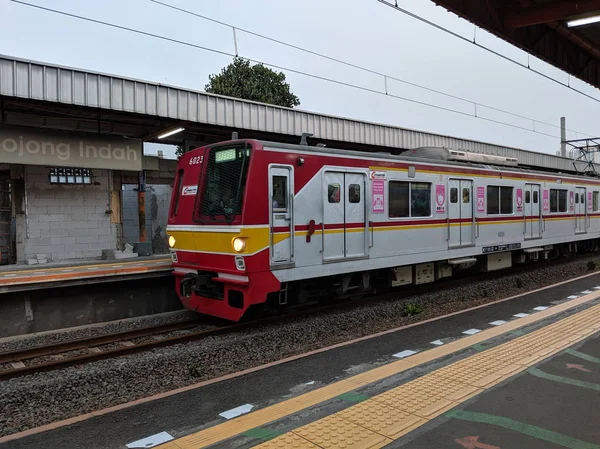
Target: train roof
{"points": [[446, 156]]}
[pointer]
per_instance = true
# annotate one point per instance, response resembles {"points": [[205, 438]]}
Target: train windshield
{"points": [[224, 183]]}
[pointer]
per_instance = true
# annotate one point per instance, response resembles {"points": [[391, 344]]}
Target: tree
{"points": [[179, 151], [252, 82]]}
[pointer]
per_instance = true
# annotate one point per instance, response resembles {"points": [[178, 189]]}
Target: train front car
{"points": [[218, 230]]}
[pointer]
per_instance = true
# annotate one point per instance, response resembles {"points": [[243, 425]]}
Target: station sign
{"points": [[30, 146]]}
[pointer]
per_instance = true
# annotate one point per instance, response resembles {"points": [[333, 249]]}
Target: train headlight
{"points": [[239, 244], [171, 241]]}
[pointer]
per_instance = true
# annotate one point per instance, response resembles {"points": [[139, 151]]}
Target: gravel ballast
{"points": [[42, 398], [93, 330]]}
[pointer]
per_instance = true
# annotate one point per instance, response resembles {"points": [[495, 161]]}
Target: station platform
{"points": [[15, 278], [523, 372]]}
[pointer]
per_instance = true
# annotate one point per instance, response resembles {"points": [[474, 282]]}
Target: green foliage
{"points": [[591, 265], [252, 82], [412, 309]]}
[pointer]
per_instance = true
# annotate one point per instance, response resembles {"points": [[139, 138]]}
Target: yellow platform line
{"points": [[390, 415], [79, 267], [285, 408]]}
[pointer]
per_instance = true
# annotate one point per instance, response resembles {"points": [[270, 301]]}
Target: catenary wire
{"points": [[330, 80]]}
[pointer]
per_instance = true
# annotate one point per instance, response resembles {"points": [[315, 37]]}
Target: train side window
{"points": [[420, 199], [493, 200], [595, 201], [466, 196], [333, 193], [354, 193], [558, 200], [527, 197], [398, 203], [506, 200], [279, 193], [409, 199], [576, 198], [535, 197], [454, 195], [499, 200]]}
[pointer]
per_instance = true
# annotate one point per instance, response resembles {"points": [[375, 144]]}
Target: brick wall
{"points": [[66, 221]]}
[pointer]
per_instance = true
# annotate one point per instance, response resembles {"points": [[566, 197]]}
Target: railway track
{"points": [[81, 351], [61, 355]]}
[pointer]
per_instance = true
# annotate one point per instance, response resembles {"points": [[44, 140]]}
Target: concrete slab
{"points": [[18, 278]]}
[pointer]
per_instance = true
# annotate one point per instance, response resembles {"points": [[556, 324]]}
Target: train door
{"points": [[355, 215], [344, 216], [282, 215], [580, 210], [532, 212], [461, 230]]}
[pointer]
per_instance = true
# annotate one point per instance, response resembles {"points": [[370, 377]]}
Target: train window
{"points": [[576, 198], [354, 193], [420, 199], [279, 193], [409, 199], [333, 193], [535, 196], [454, 195], [595, 201], [499, 200], [558, 200], [466, 196], [506, 200], [398, 203], [527, 197]]}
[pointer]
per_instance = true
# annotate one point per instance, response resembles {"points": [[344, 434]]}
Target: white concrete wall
{"points": [[66, 221]]}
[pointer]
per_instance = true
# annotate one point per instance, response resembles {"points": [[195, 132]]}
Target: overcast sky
{"points": [[363, 32]]}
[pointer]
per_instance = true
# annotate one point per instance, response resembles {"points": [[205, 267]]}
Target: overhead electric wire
{"points": [[366, 89], [483, 47], [356, 66]]}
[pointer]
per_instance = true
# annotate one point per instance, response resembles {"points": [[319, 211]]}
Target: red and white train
{"points": [[253, 222]]}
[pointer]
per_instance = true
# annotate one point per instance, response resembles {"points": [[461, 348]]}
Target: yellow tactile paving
{"points": [[289, 440], [459, 381], [385, 420], [402, 409], [335, 432]]}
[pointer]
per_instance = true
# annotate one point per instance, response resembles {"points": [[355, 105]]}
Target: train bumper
{"points": [[224, 295]]}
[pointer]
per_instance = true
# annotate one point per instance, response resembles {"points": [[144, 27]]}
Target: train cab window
{"points": [[558, 200], [279, 193], [595, 201], [527, 197], [409, 199], [499, 200], [454, 195], [333, 193], [535, 196], [354, 193], [466, 196]]}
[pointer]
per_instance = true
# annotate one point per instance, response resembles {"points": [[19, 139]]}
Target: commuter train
{"points": [[253, 222]]}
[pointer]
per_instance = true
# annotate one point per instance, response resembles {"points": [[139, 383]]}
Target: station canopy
{"points": [[564, 33]]}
